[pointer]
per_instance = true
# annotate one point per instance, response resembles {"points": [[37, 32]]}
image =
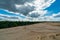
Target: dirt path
{"points": [[39, 31]]}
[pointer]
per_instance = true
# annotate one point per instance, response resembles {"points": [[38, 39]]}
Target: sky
{"points": [[55, 7], [31, 10]]}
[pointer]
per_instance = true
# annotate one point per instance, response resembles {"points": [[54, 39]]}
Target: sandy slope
{"points": [[41, 31]]}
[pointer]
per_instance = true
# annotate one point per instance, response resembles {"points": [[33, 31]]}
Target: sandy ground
{"points": [[40, 31]]}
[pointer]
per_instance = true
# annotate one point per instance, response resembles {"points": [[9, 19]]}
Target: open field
{"points": [[54, 24], [39, 31]]}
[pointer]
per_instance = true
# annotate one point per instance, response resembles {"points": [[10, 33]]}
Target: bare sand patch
{"points": [[40, 31]]}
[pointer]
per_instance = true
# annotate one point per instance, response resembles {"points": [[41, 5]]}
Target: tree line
{"points": [[8, 24]]}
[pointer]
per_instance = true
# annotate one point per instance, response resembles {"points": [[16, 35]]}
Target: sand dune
{"points": [[40, 31]]}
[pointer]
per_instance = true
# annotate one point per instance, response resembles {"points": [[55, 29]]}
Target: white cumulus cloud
{"points": [[39, 6], [33, 9]]}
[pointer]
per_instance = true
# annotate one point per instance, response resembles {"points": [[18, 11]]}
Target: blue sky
{"points": [[54, 8]]}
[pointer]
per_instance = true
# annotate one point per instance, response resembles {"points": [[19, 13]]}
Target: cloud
{"points": [[37, 6], [10, 16], [25, 9], [56, 16], [20, 17], [40, 5], [22, 1], [30, 11], [53, 17]]}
